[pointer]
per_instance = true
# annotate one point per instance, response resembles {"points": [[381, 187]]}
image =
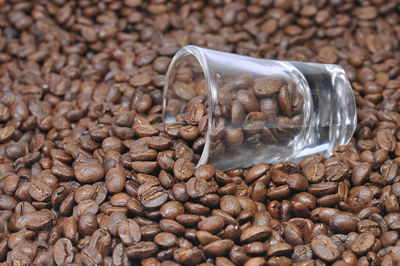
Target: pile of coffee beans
{"points": [[89, 175]]}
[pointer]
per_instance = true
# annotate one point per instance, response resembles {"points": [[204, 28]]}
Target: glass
{"points": [[237, 111]]}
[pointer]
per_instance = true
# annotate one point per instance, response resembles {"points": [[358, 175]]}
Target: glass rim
{"points": [[197, 53]]}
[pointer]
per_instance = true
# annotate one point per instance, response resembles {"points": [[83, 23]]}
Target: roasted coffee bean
{"points": [[63, 251], [115, 180], [254, 233], [188, 256], [218, 248], [152, 195], [212, 224], [129, 232], [362, 243], [314, 172], [89, 172], [264, 87], [343, 223], [87, 224], [280, 249], [141, 250], [165, 239], [183, 169], [324, 248], [40, 191], [196, 187]]}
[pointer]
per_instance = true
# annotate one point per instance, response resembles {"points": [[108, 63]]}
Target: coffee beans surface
{"points": [[89, 174]]}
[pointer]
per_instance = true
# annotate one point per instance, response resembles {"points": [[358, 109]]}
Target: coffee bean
{"points": [[389, 238], [218, 248], [183, 169], [386, 140], [292, 234], [87, 224], [40, 191], [63, 251], [188, 256], [165, 239], [89, 172], [129, 232], [280, 249], [6, 133], [324, 248], [322, 189], [172, 226], [362, 243], [230, 204], [343, 223], [152, 195], [264, 87], [196, 187], [40, 219], [297, 182], [255, 233], [212, 224], [302, 253], [140, 250], [115, 180], [314, 172], [172, 210]]}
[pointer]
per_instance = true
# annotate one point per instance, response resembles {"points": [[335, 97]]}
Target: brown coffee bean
{"points": [[230, 204], [343, 223], [152, 195], [188, 256], [63, 251], [297, 182], [248, 100], [212, 224], [81, 101], [196, 187], [6, 133], [324, 248], [264, 87], [389, 238], [280, 249], [171, 210], [314, 172], [115, 180], [386, 140], [172, 226], [361, 173], [165, 239], [362, 243], [141, 250], [218, 248], [40, 191], [255, 233], [322, 189], [87, 224], [40, 219], [302, 253], [129, 232], [183, 169], [89, 172], [292, 234]]}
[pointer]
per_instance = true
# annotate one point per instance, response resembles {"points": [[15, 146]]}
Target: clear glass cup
{"points": [[237, 111]]}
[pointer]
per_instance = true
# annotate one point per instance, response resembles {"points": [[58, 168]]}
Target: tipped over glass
{"points": [[237, 111]]}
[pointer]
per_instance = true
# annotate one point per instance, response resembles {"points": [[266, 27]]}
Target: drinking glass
{"points": [[243, 111]]}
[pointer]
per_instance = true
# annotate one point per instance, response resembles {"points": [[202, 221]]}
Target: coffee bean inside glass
{"points": [[238, 111]]}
